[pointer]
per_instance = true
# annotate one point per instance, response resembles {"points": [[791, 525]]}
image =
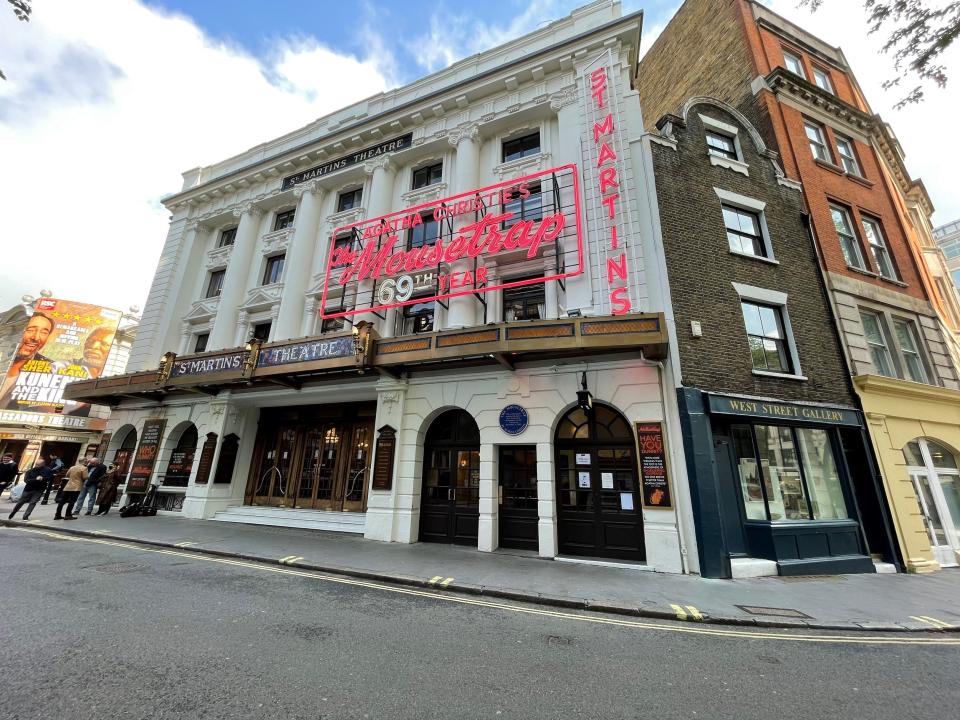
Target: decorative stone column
{"points": [[383, 173], [546, 502], [298, 262], [240, 334], [463, 308], [235, 279], [184, 338], [495, 298], [274, 314], [551, 289], [308, 322]]}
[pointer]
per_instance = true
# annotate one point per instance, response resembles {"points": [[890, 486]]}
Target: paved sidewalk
{"points": [[861, 602]]}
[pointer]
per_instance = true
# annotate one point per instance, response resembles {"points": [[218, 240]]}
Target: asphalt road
{"points": [[94, 629]]}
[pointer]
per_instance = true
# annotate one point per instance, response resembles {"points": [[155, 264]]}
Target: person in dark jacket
{"points": [[108, 490], [95, 472], [57, 469], [35, 480], [8, 472]]}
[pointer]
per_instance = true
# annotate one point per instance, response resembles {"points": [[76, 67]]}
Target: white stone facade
{"points": [[459, 118]]}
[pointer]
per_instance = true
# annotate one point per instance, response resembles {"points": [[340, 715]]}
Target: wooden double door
{"points": [[313, 463], [450, 496]]}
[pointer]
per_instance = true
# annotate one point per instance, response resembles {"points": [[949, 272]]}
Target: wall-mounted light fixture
{"points": [[166, 366], [253, 352], [584, 397]]}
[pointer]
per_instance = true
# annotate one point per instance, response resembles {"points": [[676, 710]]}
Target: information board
{"points": [[655, 486], [146, 456]]}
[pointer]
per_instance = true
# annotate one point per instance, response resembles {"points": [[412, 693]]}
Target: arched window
{"points": [[181, 459], [124, 453]]}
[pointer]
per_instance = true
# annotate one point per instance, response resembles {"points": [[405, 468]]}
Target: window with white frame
{"points": [[525, 205], [821, 79], [521, 147], [769, 333], [848, 157], [426, 233], [417, 318], [766, 337], [429, 175], [909, 346], [818, 141], [349, 199], [284, 219], [200, 344], [848, 239], [743, 230], [227, 237], [746, 225], [332, 325], [721, 145], [876, 338], [215, 283], [524, 302], [794, 64], [878, 246], [274, 269]]}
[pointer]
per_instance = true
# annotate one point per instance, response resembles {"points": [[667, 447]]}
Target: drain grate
{"points": [[774, 611], [116, 568]]}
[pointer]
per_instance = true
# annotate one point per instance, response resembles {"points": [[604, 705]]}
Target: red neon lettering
{"points": [[549, 230], [606, 155], [608, 179], [517, 235], [617, 267], [604, 128], [455, 249], [481, 276], [395, 263], [609, 200], [524, 191], [619, 301], [614, 240], [598, 84]]}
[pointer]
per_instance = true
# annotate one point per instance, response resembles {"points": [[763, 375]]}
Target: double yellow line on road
{"points": [[683, 628]]}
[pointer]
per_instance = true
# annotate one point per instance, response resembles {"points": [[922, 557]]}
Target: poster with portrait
{"points": [[62, 342]]}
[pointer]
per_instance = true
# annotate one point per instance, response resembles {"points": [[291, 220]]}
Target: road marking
{"points": [[446, 582], [686, 628], [291, 559], [939, 624], [434, 580], [679, 612], [185, 543], [694, 613], [99, 532]]}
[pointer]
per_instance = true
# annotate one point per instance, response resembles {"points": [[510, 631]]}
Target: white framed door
{"points": [[936, 479]]}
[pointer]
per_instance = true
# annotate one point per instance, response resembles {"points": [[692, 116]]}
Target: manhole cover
{"points": [[116, 568], [773, 611]]}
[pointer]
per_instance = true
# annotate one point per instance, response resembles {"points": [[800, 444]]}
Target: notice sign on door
{"points": [[583, 480], [653, 466]]}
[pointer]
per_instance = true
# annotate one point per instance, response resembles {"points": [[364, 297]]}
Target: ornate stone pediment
{"points": [[202, 310], [262, 297], [276, 240], [522, 166], [219, 257]]}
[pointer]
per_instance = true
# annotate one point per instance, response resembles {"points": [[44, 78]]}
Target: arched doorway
{"points": [[598, 493], [124, 453], [450, 497], [180, 464], [936, 478]]}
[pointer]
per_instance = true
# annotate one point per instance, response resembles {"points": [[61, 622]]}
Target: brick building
{"points": [[776, 450], [806, 104]]}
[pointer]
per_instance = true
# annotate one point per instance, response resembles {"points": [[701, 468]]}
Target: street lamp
{"points": [[584, 398]]}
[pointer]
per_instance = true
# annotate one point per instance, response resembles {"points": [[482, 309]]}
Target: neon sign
{"points": [[438, 250]]}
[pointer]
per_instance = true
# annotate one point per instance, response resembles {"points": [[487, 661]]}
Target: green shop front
{"points": [[789, 487]]}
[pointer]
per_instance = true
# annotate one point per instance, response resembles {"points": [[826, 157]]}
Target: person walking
{"points": [[76, 477], [56, 468], [108, 490], [95, 472], [8, 472], [36, 479]]}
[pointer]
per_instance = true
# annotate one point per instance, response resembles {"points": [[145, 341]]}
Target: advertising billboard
{"points": [[63, 341], [445, 248]]}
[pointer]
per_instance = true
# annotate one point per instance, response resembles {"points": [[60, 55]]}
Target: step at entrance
{"points": [[347, 522]]}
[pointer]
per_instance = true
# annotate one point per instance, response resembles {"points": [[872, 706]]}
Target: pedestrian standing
{"points": [[95, 473], [108, 490], [55, 466], [8, 472], [76, 477], [36, 479]]}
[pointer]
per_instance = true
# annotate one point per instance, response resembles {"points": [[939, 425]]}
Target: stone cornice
{"points": [[889, 151], [781, 80], [248, 208], [881, 385]]}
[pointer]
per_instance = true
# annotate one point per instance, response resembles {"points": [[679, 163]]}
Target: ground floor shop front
{"points": [[486, 457], [782, 487], [915, 430]]}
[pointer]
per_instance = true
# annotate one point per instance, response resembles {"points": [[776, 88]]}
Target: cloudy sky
{"points": [[108, 102]]}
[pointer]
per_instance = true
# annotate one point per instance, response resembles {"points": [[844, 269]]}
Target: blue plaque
{"points": [[513, 419]]}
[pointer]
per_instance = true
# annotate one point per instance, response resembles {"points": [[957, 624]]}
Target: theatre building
{"points": [[425, 317]]}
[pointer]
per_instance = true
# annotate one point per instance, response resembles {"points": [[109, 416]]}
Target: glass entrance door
{"points": [[936, 478], [273, 482]]}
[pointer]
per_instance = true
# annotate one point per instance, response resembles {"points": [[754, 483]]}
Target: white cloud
{"points": [[925, 131], [106, 104]]}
